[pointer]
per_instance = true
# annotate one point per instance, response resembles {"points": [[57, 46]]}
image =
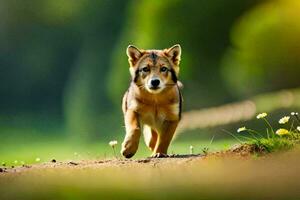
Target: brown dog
{"points": [[153, 101]]}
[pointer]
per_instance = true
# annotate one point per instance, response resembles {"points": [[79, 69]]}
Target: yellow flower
{"points": [[261, 115], [241, 129], [113, 143], [284, 120], [298, 128], [37, 160], [282, 131]]}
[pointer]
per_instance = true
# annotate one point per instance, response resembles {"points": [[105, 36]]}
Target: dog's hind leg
{"points": [[150, 137]]}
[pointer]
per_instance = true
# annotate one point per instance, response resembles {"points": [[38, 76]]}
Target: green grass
{"points": [[284, 138], [62, 149], [20, 146], [275, 144], [226, 178]]}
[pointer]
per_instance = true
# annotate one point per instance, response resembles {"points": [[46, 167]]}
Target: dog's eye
{"points": [[145, 69], [164, 69]]}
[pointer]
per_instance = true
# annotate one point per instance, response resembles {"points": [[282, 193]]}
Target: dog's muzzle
{"points": [[154, 84]]}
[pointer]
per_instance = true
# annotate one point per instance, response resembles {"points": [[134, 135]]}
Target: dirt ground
{"points": [[241, 152], [238, 173], [107, 163]]}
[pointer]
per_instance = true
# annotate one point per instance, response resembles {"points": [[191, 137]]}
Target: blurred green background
{"points": [[63, 67]]}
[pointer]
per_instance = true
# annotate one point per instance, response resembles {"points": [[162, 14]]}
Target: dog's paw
{"points": [[129, 149], [159, 155]]}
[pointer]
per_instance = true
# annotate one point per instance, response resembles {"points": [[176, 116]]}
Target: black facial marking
{"points": [[136, 76], [173, 74], [153, 56], [126, 100], [180, 102]]}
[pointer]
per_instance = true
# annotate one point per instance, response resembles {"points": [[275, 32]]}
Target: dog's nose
{"points": [[155, 82]]}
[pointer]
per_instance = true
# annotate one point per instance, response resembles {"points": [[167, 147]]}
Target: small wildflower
{"points": [[113, 143], [261, 115], [298, 128], [191, 149], [16, 162], [294, 113], [241, 129], [284, 120], [282, 131], [37, 160]]}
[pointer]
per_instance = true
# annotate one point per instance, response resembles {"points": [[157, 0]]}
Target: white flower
{"points": [[282, 131], [261, 115], [191, 149], [284, 120], [294, 113], [241, 129], [113, 143], [298, 128], [37, 160]]}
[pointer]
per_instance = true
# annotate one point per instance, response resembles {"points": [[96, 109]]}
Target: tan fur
{"points": [[155, 111]]}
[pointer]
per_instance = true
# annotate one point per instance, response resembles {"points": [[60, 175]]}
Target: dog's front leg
{"points": [[133, 133], [164, 138]]}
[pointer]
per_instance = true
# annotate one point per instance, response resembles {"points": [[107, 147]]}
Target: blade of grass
{"points": [[212, 139], [248, 138], [298, 119], [252, 135], [268, 123], [254, 131], [241, 142], [268, 135]]}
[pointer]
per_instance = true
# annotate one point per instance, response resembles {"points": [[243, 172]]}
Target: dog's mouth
{"points": [[154, 90]]}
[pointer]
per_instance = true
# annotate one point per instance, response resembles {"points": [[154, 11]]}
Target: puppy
{"points": [[152, 103]]}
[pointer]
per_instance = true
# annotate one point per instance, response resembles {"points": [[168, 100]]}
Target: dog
{"points": [[153, 102]]}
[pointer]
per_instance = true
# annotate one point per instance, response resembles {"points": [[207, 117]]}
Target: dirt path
{"points": [[107, 163], [237, 152], [232, 174]]}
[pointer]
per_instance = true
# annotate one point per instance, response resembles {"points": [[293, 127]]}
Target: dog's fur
{"points": [[152, 103]]}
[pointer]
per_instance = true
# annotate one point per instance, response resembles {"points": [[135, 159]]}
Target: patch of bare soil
{"points": [[239, 151]]}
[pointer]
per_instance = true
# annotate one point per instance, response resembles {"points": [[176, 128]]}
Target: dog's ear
{"points": [[174, 53], [134, 54]]}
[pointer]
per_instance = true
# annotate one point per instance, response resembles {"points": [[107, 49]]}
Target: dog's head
{"points": [[154, 70]]}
